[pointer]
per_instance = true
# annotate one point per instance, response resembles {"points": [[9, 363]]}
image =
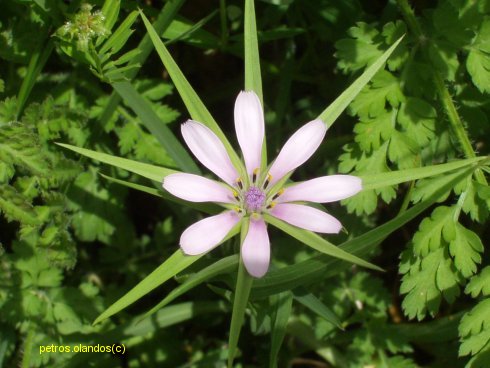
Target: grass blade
{"points": [[168, 269], [176, 263], [156, 127], [318, 243], [224, 265], [156, 173], [332, 112], [284, 303], [316, 306], [375, 181]]}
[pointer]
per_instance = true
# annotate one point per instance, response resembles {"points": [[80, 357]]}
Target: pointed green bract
{"points": [[253, 79], [332, 112], [375, 181], [156, 127], [322, 266], [318, 243], [209, 208], [151, 172], [176, 263], [223, 266], [194, 105], [172, 266], [242, 292]]}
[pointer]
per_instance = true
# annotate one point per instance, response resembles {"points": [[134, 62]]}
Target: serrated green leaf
{"points": [[479, 284], [465, 247], [478, 62], [120, 36], [474, 329], [427, 280], [371, 101], [372, 133]]}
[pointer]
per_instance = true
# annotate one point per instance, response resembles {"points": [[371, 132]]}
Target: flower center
{"points": [[254, 199]]}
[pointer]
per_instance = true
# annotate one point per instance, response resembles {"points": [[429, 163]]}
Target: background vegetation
{"points": [[73, 241]]}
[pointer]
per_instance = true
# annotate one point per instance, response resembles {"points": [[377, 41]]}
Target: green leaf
{"points": [[322, 266], [110, 9], [151, 172], [403, 151], [223, 266], [15, 207], [478, 62], [172, 266], [194, 105], [375, 181], [371, 101], [316, 306], [479, 284], [157, 128], [242, 292], [332, 112], [253, 79], [425, 280], [119, 37], [210, 208], [283, 303], [418, 119], [318, 243], [474, 329], [372, 133], [465, 247]]}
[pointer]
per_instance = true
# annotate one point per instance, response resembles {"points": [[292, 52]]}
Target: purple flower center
{"points": [[254, 199]]}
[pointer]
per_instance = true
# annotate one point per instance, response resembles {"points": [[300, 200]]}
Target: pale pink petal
{"points": [[195, 188], [323, 189], [306, 217], [299, 148], [249, 126], [208, 149], [204, 235], [256, 250]]}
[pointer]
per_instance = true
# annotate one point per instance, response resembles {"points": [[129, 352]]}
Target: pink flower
{"points": [[254, 194]]}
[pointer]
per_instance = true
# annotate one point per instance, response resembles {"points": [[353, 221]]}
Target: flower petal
{"points": [[256, 250], [323, 189], [299, 148], [208, 149], [195, 188], [306, 217], [249, 126], [204, 235]]}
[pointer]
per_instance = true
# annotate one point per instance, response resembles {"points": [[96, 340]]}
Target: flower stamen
{"points": [[267, 181], [239, 183], [254, 175], [280, 192]]}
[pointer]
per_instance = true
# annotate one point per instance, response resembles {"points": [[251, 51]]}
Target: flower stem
{"points": [[442, 91]]}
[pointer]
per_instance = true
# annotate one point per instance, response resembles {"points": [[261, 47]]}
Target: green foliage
{"points": [[76, 248]]}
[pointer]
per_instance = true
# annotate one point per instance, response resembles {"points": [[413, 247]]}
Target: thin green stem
{"points": [[26, 357], [442, 91], [224, 23]]}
